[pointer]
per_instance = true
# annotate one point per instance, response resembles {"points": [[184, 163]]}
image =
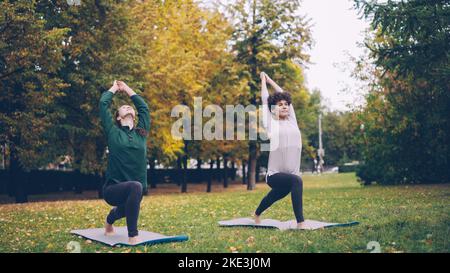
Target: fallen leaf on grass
{"points": [[250, 240], [233, 249]]}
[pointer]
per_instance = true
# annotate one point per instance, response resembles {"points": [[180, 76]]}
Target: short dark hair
{"points": [[278, 96]]}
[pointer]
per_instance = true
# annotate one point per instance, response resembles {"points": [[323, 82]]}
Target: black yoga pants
{"points": [[282, 184], [126, 197]]}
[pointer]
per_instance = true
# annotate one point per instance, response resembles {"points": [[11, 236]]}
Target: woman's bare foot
{"points": [[133, 240], [301, 225], [257, 219], [109, 229]]}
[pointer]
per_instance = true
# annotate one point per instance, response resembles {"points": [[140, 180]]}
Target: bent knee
{"points": [[297, 180], [135, 186]]}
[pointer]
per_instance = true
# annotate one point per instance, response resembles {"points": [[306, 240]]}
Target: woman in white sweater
{"points": [[283, 172]]}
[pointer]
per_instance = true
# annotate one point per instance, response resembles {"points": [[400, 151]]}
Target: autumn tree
{"points": [[30, 57], [406, 120], [269, 36]]}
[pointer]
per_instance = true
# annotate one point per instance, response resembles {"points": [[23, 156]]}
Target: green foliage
{"points": [[30, 56], [97, 49], [58, 58], [340, 137], [406, 119], [348, 168]]}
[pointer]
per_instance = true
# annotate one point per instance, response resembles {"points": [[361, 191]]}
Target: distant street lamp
{"points": [[321, 151], [361, 127]]}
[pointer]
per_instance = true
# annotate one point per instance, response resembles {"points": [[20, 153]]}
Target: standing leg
{"points": [[132, 207], [297, 198]]}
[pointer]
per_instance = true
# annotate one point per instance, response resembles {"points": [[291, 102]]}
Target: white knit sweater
{"points": [[285, 139]]}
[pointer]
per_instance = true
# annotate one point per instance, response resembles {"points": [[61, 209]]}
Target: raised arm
{"points": [[264, 91], [141, 106], [279, 89], [265, 107], [143, 112], [106, 119], [274, 84]]}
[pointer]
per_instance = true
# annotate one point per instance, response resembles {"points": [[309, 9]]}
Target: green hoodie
{"points": [[127, 158]]}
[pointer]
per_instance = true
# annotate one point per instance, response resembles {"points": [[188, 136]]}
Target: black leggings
{"points": [[282, 184], [126, 196]]}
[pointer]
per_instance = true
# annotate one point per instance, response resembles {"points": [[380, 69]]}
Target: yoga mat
{"points": [[121, 237], [270, 223]]}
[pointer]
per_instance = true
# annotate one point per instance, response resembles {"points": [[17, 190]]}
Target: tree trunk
{"points": [[218, 169], [179, 175], [153, 178], [258, 168], [100, 186], [4, 156], [78, 155], [253, 63], [185, 159], [252, 166], [199, 173], [184, 171], [17, 176], [225, 172], [244, 173], [233, 173], [78, 187], [211, 169]]}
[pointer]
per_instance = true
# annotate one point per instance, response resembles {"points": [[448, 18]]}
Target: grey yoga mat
{"points": [[270, 223], [121, 236]]}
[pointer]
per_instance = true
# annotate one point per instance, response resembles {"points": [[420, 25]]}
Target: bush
{"points": [[348, 168]]}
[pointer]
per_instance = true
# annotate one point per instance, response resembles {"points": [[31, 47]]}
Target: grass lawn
{"points": [[400, 218]]}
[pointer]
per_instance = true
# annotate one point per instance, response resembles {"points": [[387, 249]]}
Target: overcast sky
{"points": [[336, 30]]}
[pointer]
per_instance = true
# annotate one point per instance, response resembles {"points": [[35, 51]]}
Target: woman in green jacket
{"points": [[126, 173]]}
